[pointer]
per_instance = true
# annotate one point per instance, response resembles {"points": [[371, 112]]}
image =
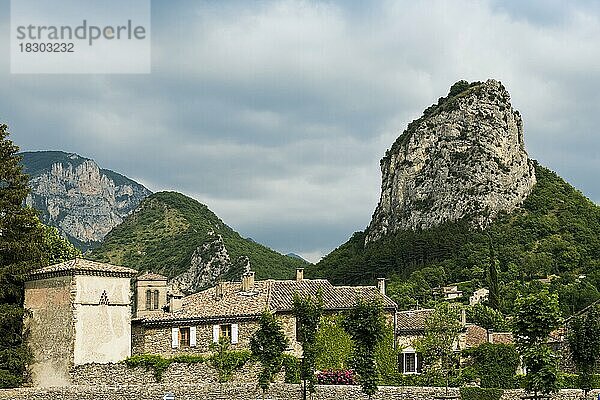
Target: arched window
{"points": [[156, 299], [148, 299]]}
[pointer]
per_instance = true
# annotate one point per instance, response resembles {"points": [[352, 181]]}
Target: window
{"points": [[225, 332], [184, 336], [148, 300], [410, 362], [156, 300]]}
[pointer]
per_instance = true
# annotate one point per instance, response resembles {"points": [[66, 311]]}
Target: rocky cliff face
{"points": [[464, 158], [83, 201]]}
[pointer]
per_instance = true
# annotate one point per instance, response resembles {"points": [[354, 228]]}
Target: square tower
{"points": [[80, 312]]}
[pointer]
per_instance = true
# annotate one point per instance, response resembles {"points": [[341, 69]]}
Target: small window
{"points": [[184, 336], [226, 332], [148, 300], [410, 363], [156, 300]]}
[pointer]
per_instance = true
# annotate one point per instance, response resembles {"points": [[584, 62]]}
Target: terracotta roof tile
{"points": [[151, 276], [80, 265], [269, 294], [413, 320]]}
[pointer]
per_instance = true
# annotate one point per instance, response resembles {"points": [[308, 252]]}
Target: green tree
{"points": [[495, 364], [334, 344], [56, 248], [584, 340], [366, 325], [21, 239], [308, 312], [493, 297], [487, 318], [267, 345], [536, 316], [438, 344]]}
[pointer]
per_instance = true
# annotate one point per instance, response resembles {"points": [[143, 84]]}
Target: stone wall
{"points": [[52, 344], [240, 391], [157, 339], [176, 374]]}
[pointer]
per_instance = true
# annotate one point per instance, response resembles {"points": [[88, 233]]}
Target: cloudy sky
{"points": [[276, 114]]}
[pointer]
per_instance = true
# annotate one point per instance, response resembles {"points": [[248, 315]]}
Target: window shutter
{"points": [[234, 333], [401, 362], [192, 336], [419, 363], [216, 331], [174, 338]]}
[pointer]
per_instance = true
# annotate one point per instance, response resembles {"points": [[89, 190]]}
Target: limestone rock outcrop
{"points": [[464, 158], [75, 195]]}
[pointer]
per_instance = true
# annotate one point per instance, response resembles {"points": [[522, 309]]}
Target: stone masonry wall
{"points": [[240, 391]]}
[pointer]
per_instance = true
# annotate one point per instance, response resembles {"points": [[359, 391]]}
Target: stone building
{"points": [[411, 326], [232, 310], [80, 312]]}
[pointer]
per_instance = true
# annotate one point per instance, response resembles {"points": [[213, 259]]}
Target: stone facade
{"points": [[243, 391], [51, 344], [79, 313]]}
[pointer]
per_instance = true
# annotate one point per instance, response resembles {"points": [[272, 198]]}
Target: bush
{"points": [[494, 364], [336, 377], [572, 381], [477, 393], [292, 368]]}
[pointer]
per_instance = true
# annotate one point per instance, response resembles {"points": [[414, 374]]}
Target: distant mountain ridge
{"points": [[175, 235], [78, 197]]}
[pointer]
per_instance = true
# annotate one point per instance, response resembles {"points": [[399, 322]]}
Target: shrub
{"points": [[494, 364], [292, 368], [477, 393], [336, 377]]}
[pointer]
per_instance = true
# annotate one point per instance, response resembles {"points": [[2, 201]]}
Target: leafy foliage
{"points": [[442, 328], [167, 227], [267, 345], [386, 356], [584, 341], [495, 364], [555, 231], [537, 315], [366, 325], [291, 365], [56, 248], [334, 345], [21, 242], [308, 312], [159, 364], [487, 318], [226, 361]]}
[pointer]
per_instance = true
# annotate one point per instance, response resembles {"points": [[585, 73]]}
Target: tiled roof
{"points": [[413, 320], [80, 265], [502, 337], [475, 335], [270, 294], [151, 276], [234, 302], [334, 297]]}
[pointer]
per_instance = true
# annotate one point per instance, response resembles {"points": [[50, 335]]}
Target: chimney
{"points": [[219, 291], [463, 317], [248, 281], [299, 274], [381, 285], [175, 303], [490, 336]]}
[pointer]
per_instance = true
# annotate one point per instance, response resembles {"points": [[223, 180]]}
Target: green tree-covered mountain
{"points": [[460, 199], [170, 233]]}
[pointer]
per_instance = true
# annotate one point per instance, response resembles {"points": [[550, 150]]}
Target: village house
{"points": [[411, 326], [231, 310], [80, 312]]}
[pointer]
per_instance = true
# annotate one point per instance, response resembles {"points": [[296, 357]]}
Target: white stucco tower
{"points": [[80, 313]]}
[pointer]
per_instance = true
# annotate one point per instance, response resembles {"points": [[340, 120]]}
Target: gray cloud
{"points": [[275, 114]]}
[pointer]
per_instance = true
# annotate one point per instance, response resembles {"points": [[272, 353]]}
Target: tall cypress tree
{"points": [[21, 241], [493, 297]]}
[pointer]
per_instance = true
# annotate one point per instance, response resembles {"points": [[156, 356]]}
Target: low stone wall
{"points": [[176, 374], [240, 391]]}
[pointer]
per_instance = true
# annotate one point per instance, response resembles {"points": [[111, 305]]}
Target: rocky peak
{"points": [[464, 158], [75, 195]]}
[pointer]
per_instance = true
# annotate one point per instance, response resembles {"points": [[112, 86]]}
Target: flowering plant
{"points": [[336, 377]]}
